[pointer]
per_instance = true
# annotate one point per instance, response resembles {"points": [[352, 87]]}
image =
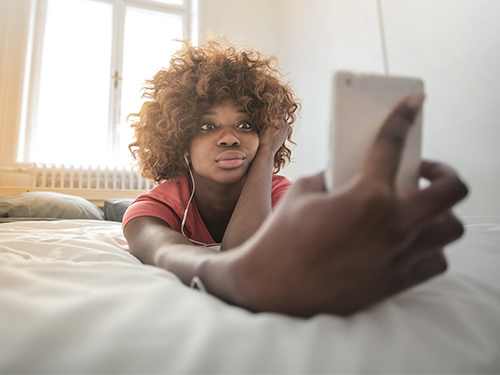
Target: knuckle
{"points": [[432, 266], [405, 113], [395, 136], [440, 265], [457, 187], [376, 199], [461, 189], [377, 206], [397, 233], [458, 230], [451, 228]]}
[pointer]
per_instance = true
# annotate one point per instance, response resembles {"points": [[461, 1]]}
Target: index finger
{"points": [[445, 190], [385, 154]]}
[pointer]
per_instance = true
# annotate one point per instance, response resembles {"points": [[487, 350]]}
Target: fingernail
{"points": [[415, 101]]}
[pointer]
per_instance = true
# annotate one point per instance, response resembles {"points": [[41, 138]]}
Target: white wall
{"points": [[242, 21], [316, 41], [454, 45]]}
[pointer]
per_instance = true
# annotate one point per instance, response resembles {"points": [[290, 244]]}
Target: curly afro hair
{"points": [[197, 78]]}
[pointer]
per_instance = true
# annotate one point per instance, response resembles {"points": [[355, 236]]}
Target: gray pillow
{"points": [[41, 204], [115, 208]]}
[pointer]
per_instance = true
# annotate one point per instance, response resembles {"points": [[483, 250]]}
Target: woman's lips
{"points": [[230, 159]]}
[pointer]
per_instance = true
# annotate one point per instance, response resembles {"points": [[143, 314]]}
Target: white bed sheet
{"points": [[73, 300]]}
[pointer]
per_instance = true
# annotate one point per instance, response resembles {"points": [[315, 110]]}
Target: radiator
{"points": [[54, 177]]}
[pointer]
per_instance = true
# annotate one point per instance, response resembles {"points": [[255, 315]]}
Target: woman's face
{"points": [[225, 145]]}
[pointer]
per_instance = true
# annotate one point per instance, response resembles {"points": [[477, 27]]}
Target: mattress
{"points": [[74, 300]]}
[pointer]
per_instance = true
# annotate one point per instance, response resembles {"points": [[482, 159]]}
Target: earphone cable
{"points": [[186, 212]]}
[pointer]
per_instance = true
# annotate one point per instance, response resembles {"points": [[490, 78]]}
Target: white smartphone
{"points": [[361, 103]]}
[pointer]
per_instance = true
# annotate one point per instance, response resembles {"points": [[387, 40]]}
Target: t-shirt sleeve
{"points": [[280, 187], [146, 205]]}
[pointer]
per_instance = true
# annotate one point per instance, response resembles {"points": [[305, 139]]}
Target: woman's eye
{"points": [[245, 126], [207, 126]]}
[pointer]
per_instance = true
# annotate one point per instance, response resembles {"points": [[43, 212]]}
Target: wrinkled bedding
{"points": [[73, 300]]}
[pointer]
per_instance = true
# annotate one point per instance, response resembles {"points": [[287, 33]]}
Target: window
{"points": [[90, 59]]}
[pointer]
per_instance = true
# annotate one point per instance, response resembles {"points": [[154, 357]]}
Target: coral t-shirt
{"points": [[168, 202]]}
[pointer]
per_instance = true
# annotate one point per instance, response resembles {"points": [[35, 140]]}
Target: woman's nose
{"points": [[228, 138]]}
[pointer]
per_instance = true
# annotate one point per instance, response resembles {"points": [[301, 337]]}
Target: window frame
{"points": [[188, 12]]}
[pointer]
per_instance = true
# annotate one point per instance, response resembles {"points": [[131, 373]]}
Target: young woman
{"points": [[213, 133]]}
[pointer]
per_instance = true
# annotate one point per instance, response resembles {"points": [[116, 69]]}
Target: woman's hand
{"points": [[339, 252], [272, 138]]}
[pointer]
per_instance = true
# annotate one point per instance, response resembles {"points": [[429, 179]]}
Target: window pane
{"points": [[72, 115], [149, 44]]}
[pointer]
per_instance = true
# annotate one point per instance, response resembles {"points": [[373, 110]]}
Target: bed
{"points": [[74, 300]]}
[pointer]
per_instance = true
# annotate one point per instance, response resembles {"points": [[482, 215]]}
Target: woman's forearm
{"points": [[153, 242], [254, 204]]}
